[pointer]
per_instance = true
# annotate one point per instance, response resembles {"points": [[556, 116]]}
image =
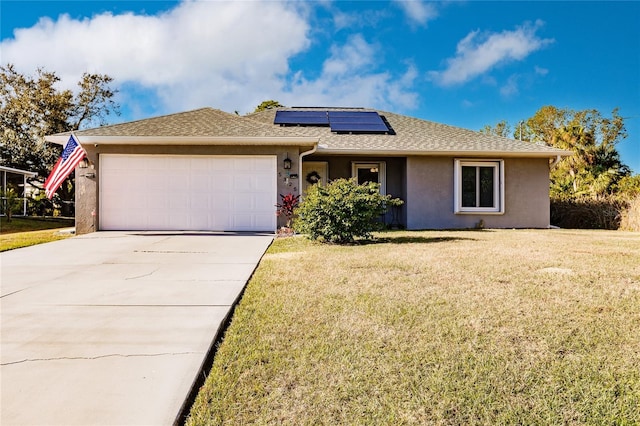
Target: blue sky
{"points": [[464, 63]]}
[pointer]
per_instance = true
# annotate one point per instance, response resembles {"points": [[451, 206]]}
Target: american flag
{"points": [[73, 153]]}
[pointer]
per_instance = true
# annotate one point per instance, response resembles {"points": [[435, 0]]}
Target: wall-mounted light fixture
{"points": [[84, 163], [287, 163]]}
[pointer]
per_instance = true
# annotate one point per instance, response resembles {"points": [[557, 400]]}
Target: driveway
{"points": [[112, 328]]}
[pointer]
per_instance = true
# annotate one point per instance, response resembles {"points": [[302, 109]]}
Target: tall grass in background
{"points": [[630, 220], [612, 212]]}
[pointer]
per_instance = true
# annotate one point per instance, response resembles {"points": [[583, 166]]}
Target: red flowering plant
{"points": [[287, 206]]}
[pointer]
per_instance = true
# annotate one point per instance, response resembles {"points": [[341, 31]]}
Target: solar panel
{"points": [[340, 121], [302, 118], [357, 121]]}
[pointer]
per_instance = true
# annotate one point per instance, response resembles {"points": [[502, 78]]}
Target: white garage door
{"points": [[174, 192]]}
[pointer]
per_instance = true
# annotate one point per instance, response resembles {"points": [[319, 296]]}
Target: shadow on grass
{"points": [[414, 240], [419, 240]]}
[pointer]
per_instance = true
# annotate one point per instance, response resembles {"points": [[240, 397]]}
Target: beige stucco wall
{"points": [[430, 195], [429, 202], [87, 197], [340, 166]]}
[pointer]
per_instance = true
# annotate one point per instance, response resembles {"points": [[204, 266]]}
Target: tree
{"points": [[94, 102], [270, 104], [32, 107], [595, 168], [501, 128]]}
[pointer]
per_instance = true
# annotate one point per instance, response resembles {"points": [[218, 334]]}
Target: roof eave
{"points": [[185, 140], [444, 153], [18, 171]]}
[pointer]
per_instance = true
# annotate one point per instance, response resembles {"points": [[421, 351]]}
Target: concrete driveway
{"points": [[112, 328]]}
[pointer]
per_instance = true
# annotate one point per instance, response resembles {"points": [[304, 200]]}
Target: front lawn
{"points": [[467, 327], [26, 231]]}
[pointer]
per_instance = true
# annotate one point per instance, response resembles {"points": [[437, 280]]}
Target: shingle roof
{"points": [[204, 122], [413, 135], [409, 135]]}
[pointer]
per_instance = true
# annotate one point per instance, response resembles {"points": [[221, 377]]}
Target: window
{"points": [[479, 186], [370, 172]]}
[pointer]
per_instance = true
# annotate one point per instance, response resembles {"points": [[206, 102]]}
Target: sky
{"points": [[464, 63]]}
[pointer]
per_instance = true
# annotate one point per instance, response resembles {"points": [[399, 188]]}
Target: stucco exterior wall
{"points": [[87, 197], [430, 195], [341, 167], [426, 184]]}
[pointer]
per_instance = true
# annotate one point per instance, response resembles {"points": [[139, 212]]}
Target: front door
{"points": [[314, 172]]}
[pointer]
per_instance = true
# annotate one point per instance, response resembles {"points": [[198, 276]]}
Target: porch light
{"points": [[84, 163], [287, 163]]}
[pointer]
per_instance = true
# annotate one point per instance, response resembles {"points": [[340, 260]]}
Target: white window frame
{"points": [[382, 172], [498, 182]]}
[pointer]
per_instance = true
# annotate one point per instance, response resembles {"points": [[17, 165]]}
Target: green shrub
{"points": [[10, 203], [40, 205], [342, 211]]}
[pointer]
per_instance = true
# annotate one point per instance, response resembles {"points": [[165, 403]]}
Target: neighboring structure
{"points": [[16, 179], [210, 170]]}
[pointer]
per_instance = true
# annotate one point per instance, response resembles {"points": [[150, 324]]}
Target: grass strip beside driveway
{"points": [[467, 327], [24, 232]]}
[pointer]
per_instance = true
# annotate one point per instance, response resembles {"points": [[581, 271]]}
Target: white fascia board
{"points": [[183, 140], [404, 153]]}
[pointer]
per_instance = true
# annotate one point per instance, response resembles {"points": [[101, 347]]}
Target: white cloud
{"points": [[418, 11], [229, 55], [199, 53], [540, 71], [478, 53], [356, 54], [511, 87], [370, 18], [349, 78]]}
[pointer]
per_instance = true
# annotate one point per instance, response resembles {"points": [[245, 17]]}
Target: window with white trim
{"points": [[479, 186], [370, 172]]}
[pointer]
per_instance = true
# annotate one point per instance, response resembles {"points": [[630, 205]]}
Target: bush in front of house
{"points": [[342, 211]]}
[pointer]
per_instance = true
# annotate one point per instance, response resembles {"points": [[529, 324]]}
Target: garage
{"points": [[187, 193]]}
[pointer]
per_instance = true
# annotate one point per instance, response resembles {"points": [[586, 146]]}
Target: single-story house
{"points": [[210, 170], [16, 179]]}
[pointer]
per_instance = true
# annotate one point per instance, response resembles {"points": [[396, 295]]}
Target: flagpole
{"points": [[71, 156]]}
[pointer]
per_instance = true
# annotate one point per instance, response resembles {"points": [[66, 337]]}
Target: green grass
{"points": [[468, 327], [24, 232]]}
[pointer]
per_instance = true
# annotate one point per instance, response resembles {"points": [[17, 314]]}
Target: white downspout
{"points": [[24, 195], [555, 162], [304, 154]]}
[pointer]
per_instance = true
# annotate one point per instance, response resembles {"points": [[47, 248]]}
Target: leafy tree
{"points": [[265, 105], [629, 185], [32, 107], [501, 128], [595, 169], [342, 211]]}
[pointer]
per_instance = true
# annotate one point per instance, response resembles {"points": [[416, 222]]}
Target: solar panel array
{"points": [[302, 118], [357, 121], [339, 121]]}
